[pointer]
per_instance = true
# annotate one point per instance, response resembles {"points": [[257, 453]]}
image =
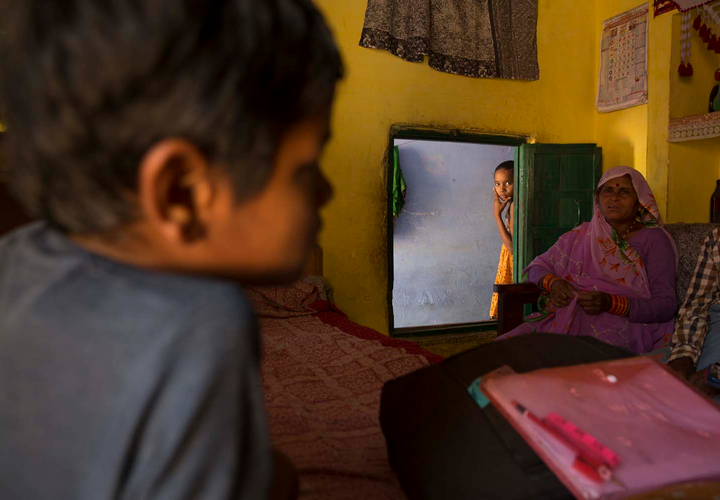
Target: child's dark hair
{"points": [[88, 86], [508, 165]]}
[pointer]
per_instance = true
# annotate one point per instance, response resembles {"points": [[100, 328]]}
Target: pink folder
{"points": [[664, 432]]}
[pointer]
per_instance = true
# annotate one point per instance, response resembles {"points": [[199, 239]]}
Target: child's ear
{"points": [[175, 189]]}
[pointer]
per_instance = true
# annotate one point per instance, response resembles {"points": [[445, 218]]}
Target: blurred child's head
{"points": [[194, 126], [504, 180]]}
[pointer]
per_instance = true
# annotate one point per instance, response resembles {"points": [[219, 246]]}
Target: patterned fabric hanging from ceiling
{"points": [[477, 38], [704, 18], [663, 6]]}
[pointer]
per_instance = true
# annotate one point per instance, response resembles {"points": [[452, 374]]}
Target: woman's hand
{"points": [[562, 293], [499, 206], [595, 302]]}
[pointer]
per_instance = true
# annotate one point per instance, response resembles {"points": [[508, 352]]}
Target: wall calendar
{"points": [[623, 61]]}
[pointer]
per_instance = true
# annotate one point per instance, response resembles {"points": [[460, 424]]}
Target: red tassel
{"points": [[703, 32], [682, 69], [712, 43], [697, 23], [689, 70], [717, 47]]}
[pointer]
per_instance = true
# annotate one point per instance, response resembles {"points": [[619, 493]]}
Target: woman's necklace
{"points": [[628, 230]]}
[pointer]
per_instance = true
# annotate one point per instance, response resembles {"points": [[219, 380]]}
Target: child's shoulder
{"points": [[214, 317], [75, 287], [196, 309]]}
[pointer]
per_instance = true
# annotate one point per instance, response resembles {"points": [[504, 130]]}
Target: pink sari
{"points": [[592, 257]]}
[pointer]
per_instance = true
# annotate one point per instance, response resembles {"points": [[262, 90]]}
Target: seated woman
{"points": [[612, 278]]}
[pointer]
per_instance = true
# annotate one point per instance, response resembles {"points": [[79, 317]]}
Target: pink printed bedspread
{"points": [[322, 376]]}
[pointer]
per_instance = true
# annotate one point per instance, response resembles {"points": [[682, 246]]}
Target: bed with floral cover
{"points": [[322, 376]]}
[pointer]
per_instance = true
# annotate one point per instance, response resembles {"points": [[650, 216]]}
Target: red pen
{"points": [[597, 473], [589, 448]]}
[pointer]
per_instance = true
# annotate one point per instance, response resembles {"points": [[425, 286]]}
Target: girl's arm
{"points": [[505, 236], [512, 218]]}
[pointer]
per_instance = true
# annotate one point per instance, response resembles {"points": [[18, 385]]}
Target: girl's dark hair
{"points": [[88, 86], [506, 165]]}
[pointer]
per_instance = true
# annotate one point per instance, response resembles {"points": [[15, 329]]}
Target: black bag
{"points": [[442, 445]]}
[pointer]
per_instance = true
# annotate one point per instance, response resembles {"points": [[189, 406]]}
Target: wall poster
{"points": [[623, 61]]}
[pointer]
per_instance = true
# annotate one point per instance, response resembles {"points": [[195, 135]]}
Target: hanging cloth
{"points": [[399, 186], [663, 6], [477, 38], [704, 19]]}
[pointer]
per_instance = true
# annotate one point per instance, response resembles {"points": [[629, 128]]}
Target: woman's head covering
{"points": [[613, 256], [649, 214]]}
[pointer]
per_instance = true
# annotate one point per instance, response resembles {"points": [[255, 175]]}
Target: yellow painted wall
{"points": [[622, 134], [659, 71], [693, 171], [381, 89], [694, 165]]}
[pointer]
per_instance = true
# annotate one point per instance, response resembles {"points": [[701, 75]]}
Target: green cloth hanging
{"points": [[399, 186]]}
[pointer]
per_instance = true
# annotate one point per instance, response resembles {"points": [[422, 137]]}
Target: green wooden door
{"points": [[554, 189]]}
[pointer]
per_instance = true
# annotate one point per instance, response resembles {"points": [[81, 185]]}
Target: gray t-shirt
{"points": [[122, 383]]}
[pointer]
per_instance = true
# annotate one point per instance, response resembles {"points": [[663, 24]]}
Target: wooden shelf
{"points": [[693, 128]]}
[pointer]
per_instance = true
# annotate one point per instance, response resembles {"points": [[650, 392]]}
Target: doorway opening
{"points": [[444, 244], [443, 241]]}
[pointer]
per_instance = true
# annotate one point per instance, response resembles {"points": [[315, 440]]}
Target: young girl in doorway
{"points": [[503, 198]]}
